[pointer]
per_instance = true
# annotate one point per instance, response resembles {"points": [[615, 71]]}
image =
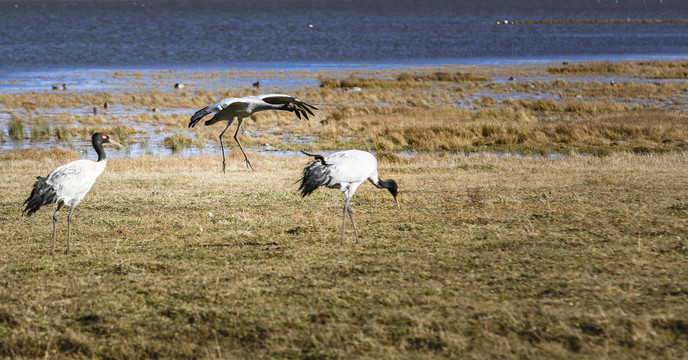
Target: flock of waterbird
{"points": [[69, 183]]}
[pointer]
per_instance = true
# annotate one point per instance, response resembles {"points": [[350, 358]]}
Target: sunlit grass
{"points": [[488, 257], [649, 69]]}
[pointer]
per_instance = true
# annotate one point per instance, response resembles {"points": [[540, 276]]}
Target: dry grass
{"points": [[575, 257], [402, 80], [523, 108], [509, 257], [639, 69], [15, 128]]}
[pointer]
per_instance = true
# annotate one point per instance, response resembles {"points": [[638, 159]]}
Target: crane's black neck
{"points": [[97, 141]]}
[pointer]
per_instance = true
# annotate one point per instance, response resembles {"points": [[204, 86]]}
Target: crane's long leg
{"points": [[347, 209], [344, 220], [52, 248], [222, 145], [69, 227], [351, 215], [248, 163]]}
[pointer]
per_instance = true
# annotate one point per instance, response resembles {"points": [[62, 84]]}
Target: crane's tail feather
{"points": [[314, 175], [42, 194], [198, 115], [318, 157]]}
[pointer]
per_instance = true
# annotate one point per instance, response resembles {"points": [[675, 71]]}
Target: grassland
{"points": [[580, 255], [575, 257]]}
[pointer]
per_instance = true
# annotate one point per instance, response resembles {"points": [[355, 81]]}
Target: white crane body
{"points": [[68, 185], [73, 181], [345, 170]]}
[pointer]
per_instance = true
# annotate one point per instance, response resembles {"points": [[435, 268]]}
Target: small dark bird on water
{"points": [[256, 84], [237, 109], [345, 170], [68, 184]]}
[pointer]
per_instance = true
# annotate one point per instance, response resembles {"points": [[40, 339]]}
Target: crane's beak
{"points": [[396, 198], [115, 143]]}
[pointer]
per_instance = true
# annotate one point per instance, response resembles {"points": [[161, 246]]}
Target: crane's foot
{"points": [[248, 164]]}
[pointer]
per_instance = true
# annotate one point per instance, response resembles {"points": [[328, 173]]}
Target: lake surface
{"points": [[63, 35], [46, 43]]}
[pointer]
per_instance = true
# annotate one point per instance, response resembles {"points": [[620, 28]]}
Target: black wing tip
{"points": [[314, 175], [41, 194], [307, 105], [309, 110]]}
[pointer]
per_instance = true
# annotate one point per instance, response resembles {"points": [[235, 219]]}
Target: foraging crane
{"points": [[346, 170], [68, 184], [237, 109]]}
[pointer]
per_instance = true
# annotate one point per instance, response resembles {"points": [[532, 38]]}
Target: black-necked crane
{"points": [[345, 170], [237, 109], [68, 184]]}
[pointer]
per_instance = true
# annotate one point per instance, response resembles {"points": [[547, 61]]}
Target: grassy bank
{"points": [[574, 257]]}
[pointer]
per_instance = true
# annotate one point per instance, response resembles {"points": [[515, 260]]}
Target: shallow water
{"points": [[81, 43]]}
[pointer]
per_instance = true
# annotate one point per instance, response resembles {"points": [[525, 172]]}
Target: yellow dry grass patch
{"points": [[574, 257]]}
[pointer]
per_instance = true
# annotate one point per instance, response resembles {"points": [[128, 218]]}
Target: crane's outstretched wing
{"points": [[290, 104], [216, 110]]}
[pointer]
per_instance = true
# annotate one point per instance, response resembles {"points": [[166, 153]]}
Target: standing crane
{"points": [[346, 170], [237, 109], [68, 184]]}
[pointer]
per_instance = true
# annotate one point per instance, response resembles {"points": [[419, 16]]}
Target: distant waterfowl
{"points": [[237, 109], [68, 185], [58, 87], [345, 170], [179, 86], [106, 105], [256, 84]]}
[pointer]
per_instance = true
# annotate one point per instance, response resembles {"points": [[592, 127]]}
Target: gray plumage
{"points": [[237, 109]]}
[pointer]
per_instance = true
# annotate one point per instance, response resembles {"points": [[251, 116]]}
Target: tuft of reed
{"points": [[177, 142], [63, 132], [41, 130], [15, 128]]}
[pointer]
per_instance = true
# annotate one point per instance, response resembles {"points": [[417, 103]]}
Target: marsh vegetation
{"points": [[594, 108], [491, 255]]}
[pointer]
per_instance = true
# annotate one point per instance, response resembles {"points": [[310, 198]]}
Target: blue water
{"points": [[68, 35], [81, 43]]}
